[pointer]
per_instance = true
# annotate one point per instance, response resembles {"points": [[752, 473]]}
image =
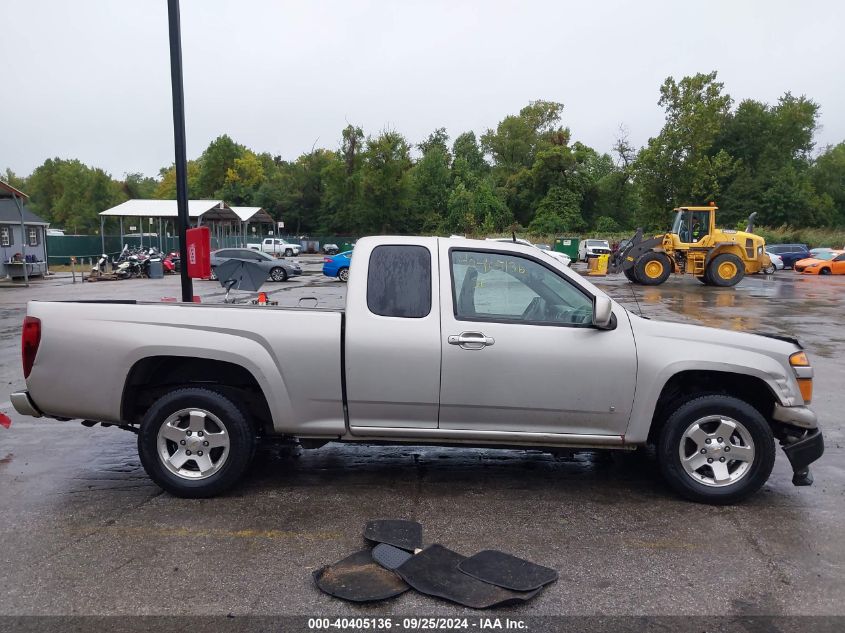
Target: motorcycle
{"points": [[127, 265], [100, 267]]}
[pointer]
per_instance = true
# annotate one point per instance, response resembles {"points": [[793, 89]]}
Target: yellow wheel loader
{"points": [[694, 246]]}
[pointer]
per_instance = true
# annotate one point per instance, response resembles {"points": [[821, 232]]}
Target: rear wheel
{"points": [[725, 270], [716, 449], [770, 270], [343, 274], [195, 442], [288, 252], [278, 274], [213, 275], [652, 269]]}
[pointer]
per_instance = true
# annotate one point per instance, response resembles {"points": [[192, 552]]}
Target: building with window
{"points": [[22, 236]]}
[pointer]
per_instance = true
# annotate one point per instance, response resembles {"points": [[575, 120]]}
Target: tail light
{"points": [[327, 260], [30, 339]]}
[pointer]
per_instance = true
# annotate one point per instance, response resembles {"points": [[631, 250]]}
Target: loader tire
{"points": [[652, 269], [725, 270], [631, 274]]}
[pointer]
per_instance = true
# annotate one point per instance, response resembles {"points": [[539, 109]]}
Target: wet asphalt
{"points": [[85, 532]]}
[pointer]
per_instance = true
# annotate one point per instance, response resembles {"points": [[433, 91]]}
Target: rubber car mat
{"points": [[390, 557], [504, 570], [359, 578], [397, 532], [434, 572]]}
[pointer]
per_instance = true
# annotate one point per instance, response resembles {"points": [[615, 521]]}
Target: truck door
{"points": [[520, 352], [392, 339]]}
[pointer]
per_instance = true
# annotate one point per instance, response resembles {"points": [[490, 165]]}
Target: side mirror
{"points": [[603, 313]]}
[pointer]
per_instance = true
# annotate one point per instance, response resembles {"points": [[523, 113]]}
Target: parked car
{"points": [[338, 265], [592, 248], [442, 340], [276, 246], [789, 253], [277, 269], [563, 258], [825, 263], [776, 263], [331, 249], [55, 232]]}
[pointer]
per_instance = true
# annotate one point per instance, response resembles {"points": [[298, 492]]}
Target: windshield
{"points": [[826, 256], [597, 243]]}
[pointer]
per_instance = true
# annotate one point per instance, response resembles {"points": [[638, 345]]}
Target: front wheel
{"points": [[770, 270], [343, 274], [195, 442], [652, 269], [631, 274], [725, 270], [213, 275], [716, 449], [824, 271], [288, 252], [278, 274]]}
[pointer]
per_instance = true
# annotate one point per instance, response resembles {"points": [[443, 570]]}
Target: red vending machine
{"points": [[199, 252]]}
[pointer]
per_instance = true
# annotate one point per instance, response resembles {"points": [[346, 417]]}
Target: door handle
{"points": [[471, 340]]}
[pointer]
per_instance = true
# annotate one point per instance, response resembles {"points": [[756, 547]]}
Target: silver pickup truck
{"points": [[443, 341]]}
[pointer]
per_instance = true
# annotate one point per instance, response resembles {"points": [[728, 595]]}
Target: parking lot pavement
{"points": [[86, 532]]}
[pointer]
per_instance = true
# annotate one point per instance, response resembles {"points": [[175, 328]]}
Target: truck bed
{"points": [[89, 348]]}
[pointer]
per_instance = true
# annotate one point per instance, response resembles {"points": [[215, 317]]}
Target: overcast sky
{"points": [[90, 79]]}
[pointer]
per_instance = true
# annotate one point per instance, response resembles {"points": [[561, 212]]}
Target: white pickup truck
{"points": [[276, 246], [443, 341]]}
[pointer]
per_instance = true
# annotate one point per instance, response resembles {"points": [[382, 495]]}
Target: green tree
{"points": [[828, 176], [215, 163], [559, 212], [386, 184], [679, 165]]}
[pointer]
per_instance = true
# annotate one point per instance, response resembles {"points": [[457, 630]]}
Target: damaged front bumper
{"points": [[802, 442]]}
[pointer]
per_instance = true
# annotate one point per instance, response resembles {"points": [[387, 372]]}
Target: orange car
{"points": [[824, 263]]}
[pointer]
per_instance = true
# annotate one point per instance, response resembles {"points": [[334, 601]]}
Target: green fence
{"points": [[60, 248]]}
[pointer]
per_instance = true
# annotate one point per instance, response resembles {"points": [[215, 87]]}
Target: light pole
{"points": [[183, 222]]}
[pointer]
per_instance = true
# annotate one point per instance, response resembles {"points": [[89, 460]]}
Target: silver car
{"points": [[277, 269]]}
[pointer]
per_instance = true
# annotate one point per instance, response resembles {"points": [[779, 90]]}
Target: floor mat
{"points": [[359, 578], [397, 532], [434, 571], [507, 571], [390, 557]]}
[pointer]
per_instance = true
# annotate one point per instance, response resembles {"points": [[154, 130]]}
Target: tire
{"points": [[725, 270], [652, 269], [824, 271], [278, 274], [708, 419], [288, 252], [169, 422], [770, 270], [631, 274], [213, 275], [343, 274]]}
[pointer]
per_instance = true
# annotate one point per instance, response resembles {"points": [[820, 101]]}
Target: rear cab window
{"points": [[399, 281]]}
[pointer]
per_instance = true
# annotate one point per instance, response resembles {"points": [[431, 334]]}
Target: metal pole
{"points": [[103, 233], [121, 233], [180, 144], [23, 239]]}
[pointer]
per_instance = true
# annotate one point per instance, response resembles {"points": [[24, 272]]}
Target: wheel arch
{"points": [[153, 376], [691, 383]]}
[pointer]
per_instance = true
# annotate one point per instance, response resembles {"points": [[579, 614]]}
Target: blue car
{"points": [[789, 253], [338, 265]]}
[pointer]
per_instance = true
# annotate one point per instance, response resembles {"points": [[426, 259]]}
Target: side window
{"points": [[841, 258], [399, 281], [511, 288]]}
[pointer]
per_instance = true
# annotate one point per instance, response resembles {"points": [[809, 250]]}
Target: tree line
{"points": [[525, 174]]}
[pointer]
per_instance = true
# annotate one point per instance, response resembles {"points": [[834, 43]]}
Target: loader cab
{"points": [[693, 224]]}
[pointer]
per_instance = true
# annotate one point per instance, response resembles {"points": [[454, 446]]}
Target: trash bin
{"points": [[568, 245], [156, 270]]}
